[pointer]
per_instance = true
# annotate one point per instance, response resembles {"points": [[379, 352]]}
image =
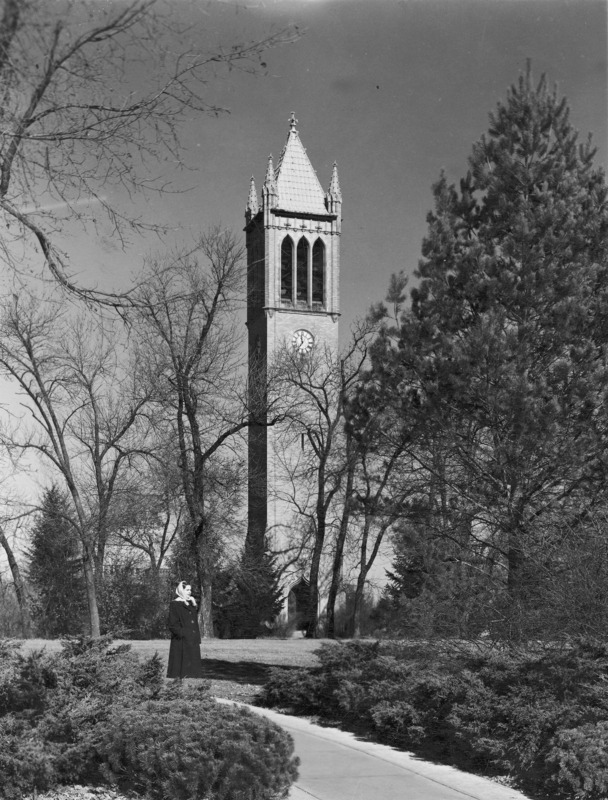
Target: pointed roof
{"points": [[269, 182], [334, 186], [252, 200], [298, 187]]}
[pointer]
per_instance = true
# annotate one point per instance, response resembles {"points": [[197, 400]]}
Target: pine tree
{"points": [[506, 339], [409, 571], [55, 570], [249, 596]]}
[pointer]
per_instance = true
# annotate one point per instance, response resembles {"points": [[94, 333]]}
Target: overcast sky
{"points": [[393, 90]]}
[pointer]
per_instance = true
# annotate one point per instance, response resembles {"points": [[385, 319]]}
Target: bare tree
{"points": [[92, 97], [383, 486], [85, 410], [149, 515], [18, 582], [318, 386], [190, 341]]}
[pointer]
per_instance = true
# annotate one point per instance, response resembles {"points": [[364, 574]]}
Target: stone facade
{"points": [[293, 258]]}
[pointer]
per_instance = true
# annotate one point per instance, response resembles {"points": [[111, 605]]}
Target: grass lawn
{"points": [[235, 668]]}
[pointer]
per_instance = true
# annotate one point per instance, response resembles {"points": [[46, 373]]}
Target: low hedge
{"points": [[96, 714], [181, 751], [537, 717]]}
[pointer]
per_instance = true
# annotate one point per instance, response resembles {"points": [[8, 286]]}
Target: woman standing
{"points": [[184, 650]]}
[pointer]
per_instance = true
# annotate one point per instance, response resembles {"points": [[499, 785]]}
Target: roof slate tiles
{"points": [[298, 187]]}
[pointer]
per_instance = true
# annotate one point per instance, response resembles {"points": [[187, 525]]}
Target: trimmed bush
{"points": [[538, 716], [579, 758], [96, 714], [185, 750]]}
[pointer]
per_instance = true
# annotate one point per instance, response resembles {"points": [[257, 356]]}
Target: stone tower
{"points": [[293, 269]]}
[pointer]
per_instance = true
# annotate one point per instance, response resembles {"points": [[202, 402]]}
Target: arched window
{"points": [[318, 272], [286, 269], [302, 271]]}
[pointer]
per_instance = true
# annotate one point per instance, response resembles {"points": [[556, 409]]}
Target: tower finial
{"points": [[334, 186], [269, 172], [293, 122], [269, 190], [333, 198], [252, 200]]}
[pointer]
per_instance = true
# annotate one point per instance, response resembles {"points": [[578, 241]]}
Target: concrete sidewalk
{"points": [[335, 765]]}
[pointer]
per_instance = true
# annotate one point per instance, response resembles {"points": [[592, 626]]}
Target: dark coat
{"points": [[185, 647]]}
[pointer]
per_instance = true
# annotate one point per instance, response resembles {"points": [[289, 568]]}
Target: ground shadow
{"points": [[237, 671]]}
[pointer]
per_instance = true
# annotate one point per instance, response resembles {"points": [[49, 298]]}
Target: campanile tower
{"points": [[293, 270]]}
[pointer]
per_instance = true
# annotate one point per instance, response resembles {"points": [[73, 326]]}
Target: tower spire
{"points": [[269, 179], [297, 186], [334, 186], [269, 190], [333, 198], [252, 201]]}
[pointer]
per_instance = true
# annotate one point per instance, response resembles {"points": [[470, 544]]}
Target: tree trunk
{"points": [[89, 579], [315, 566], [515, 559], [336, 579], [313, 592], [20, 590], [204, 577], [355, 620], [100, 552], [358, 603], [206, 611], [514, 563], [336, 572]]}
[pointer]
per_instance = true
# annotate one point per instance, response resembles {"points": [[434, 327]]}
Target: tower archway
{"points": [[302, 271], [318, 272], [287, 269]]}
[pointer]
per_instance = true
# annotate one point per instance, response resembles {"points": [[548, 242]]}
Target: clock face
{"points": [[302, 341]]}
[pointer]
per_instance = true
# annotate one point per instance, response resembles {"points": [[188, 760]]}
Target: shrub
{"points": [[538, 716], [187, 750], [96, 713], [579, 758], [299, 690], [315, 691], [133, 604]]}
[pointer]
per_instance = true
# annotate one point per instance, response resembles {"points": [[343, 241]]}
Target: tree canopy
{"points": [[499, 363]]}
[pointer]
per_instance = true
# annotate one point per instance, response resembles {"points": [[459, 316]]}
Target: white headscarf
{"points": [[181, 594]]}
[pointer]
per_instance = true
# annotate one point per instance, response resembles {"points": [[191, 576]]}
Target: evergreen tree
{"points": [[436, 586], [59, 605], [505, 343], [409, 567], [249, 597]]}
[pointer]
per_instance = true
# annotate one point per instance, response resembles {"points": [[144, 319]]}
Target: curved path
{"points": [[335, 765]]}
